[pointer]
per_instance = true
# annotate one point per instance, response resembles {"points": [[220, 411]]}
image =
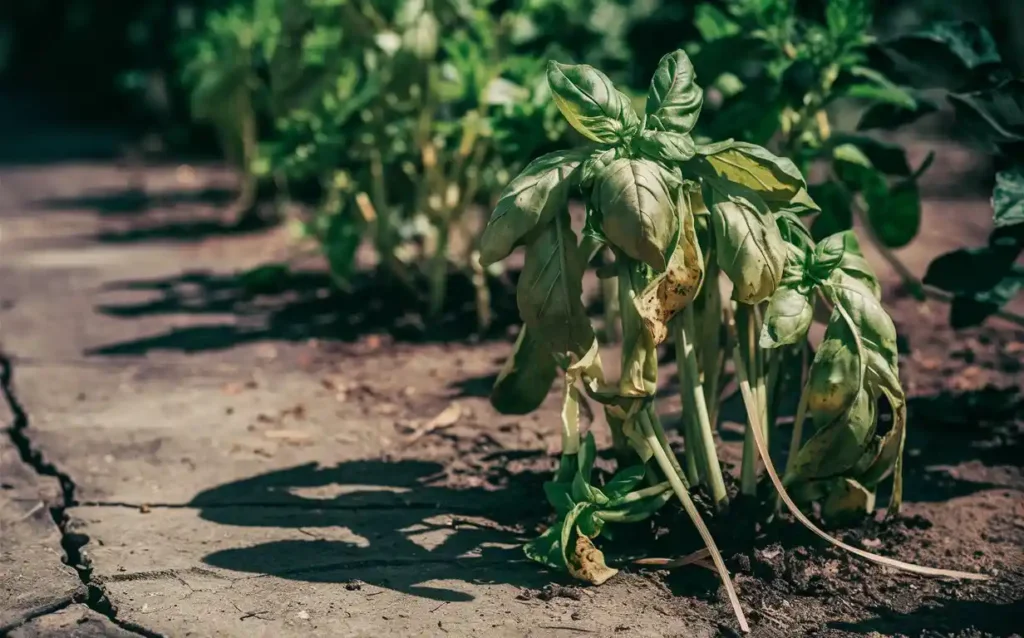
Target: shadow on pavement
{"points": [[296, 306], [404, 522]]}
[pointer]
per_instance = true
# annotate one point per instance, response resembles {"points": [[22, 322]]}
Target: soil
{"points": [[964, 491]]}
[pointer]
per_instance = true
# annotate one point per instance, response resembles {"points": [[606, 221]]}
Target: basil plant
{"points": [[681, 218]]}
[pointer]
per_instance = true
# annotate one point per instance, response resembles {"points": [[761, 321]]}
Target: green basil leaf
{"points": [[968, 311], [665, 146], [674, 99], [559, 496], [596, 163], [624, 481], [638, 510], [837, 447], [787, 318], [869, 84], [582, 491], [712, 23], [637, 205], [547, 548], [526, 377], [639, 358], [569, 531], [873, 327], [835, 376], [550, 289], [776, 179], [590, 103], [748, 243], [1008, 197], [828, 255], [847, 501], [674, 289], [856, 266], [530, 200], [588, 453]]}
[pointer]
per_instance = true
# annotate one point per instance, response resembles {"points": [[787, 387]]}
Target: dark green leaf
{"points": [[944, 54], [665, 146], [835, 375], [588, 453], [724, 54], [530, 200], [836, 215], [870, 84], [550, 289], [856, 266], [969, 311], [995, 116], [637, 205], [598, 160], [558, 495], [624, 481], [674, 99], [526, 377], [895, 214], [547, 548], [749, 247], [891, 116], [712, 23], [590, 103], [1008, 197], [872, 325]]}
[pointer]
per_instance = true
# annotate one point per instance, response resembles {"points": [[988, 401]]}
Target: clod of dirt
{"points": [[552, 591], [353, 586]]}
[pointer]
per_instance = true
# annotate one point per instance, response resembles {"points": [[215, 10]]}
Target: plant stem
{"points": [[691, 510], [439, 270], [692, 386], [483, 293], [798, 432], [694, 451], [754, 368], [762, 447]]}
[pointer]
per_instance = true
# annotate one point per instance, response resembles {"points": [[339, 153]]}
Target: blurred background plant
{"points": [[398, 122]]}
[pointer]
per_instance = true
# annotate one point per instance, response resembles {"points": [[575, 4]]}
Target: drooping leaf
{"points": [[587, 456], [827, 256], [872, 326], [847, 501], [587, 563], [547, 548], [1008, 197], [674, 289], [835, 376], [674, 99], [748, 244], [837, 446], [665, 146], [559, 496], [526, 377], [639, 358], [591, 104], [774, 178], [530, 200], [636, 200], [855, 265], [550, 289]]}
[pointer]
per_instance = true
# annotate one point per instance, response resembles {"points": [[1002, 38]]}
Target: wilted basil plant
{"points": [[677, 214]]}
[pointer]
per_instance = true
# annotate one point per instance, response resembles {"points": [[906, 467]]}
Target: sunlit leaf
{"points": [[637, 205], [591, 104], [774, 178]]}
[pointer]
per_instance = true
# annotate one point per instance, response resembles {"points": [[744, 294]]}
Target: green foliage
{"points": [[669, 210]]}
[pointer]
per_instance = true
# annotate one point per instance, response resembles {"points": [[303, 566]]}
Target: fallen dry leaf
{"points": [[446, 419]]}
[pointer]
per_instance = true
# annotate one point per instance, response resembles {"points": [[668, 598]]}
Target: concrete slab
{"points": [[33, 578]]}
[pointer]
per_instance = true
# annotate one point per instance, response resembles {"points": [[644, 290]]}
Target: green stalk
{"points": [[694, 451], [754, 369], [439, 269], [692, 386], [675, 480]]}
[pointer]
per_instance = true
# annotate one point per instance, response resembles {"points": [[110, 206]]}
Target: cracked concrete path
{"points": [[219, 482]]}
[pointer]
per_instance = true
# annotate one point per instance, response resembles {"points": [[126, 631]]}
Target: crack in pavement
{"points": [[95, 597]]}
